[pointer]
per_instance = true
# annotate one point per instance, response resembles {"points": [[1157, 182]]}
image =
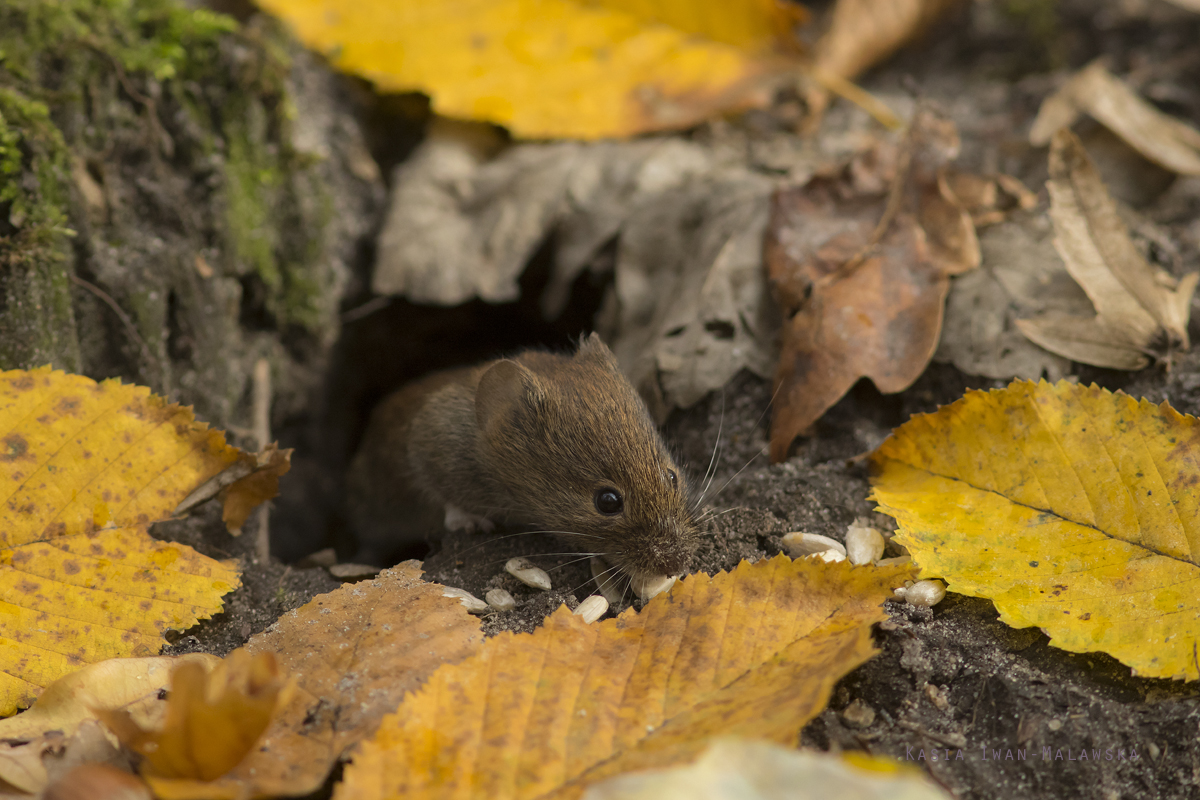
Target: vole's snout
{"points": [[670, 547]]}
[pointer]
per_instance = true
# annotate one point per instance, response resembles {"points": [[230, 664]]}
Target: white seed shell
{"points": [[645, 588], [470, 602], [864, 545], [926, 593], [800, 544], [829, 556], [528, 574], [592, 608], [500, 600], [895, 561], [607, 578]]}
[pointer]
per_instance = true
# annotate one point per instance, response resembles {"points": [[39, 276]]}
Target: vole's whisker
{"points": [[490, 538], [712, 462], [739, 472], [571, 533], [599, 583], [713, 513]]}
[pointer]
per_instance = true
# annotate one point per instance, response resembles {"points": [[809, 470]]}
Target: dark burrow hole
{"points": [[381, 351]]}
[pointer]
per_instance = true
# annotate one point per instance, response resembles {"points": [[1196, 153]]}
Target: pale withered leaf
{"points": [[1140, 310], [1094, 90]]}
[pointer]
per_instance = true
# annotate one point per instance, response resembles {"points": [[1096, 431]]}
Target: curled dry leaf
{"points": [[212, 718], [734, 769], [246, 494], [72, 703], [861, 273], [85, 468], [354, 653], [754, 652], [251, 480], [1159, 137], [1139, 309], [559, 68], [1074, 509]]}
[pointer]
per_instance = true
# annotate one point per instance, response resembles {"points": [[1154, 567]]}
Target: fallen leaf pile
{"points": [[752, 653], [1073, 508], [860, 263], [85, 468], [63, 728], [1140, 310]]}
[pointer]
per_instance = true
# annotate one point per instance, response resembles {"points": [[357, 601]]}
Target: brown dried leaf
{"points": [[861, 276], [247, 493], [1095, 91], [355, 652], [1139, 309]]}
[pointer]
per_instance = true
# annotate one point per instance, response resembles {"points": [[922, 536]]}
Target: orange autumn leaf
{"points": [[754, 653], [85, 468], [214, 715]]}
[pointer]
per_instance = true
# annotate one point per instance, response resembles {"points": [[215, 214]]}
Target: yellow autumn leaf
{"points": [[752, 653], [85, 468], [559, 68], [1073, 508]]}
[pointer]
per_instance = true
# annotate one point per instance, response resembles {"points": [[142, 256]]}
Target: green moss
{"points": [[160, 38], [127, 65], [252, 180], [37, 325]]}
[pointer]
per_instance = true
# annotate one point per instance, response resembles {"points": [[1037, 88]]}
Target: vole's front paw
{"points": [[459, 520]]}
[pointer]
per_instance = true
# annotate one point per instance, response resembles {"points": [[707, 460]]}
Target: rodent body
{"points": [[561, 442]]}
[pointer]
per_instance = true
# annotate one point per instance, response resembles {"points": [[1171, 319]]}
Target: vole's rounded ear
{"points": [[593, 347], [504, 387]]}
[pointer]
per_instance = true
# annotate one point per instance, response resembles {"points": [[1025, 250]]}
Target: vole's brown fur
{"points": [[526, 440]]}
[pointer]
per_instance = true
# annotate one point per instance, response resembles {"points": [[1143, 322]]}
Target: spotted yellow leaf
{"points": [[1073, 508], [85, 468], [752, 653], [559, 68]]}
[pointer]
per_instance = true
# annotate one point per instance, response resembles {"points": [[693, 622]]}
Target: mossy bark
{"points": [[37, 323], [158, 221]]}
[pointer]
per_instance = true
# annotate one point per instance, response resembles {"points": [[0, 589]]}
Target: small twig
{"points": [[366, 309], [129, 326], [851, 91], [262, 432]]}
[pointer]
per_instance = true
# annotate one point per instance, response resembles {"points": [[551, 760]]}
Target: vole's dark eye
{"points": [[608, 501], [673, 478]]}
